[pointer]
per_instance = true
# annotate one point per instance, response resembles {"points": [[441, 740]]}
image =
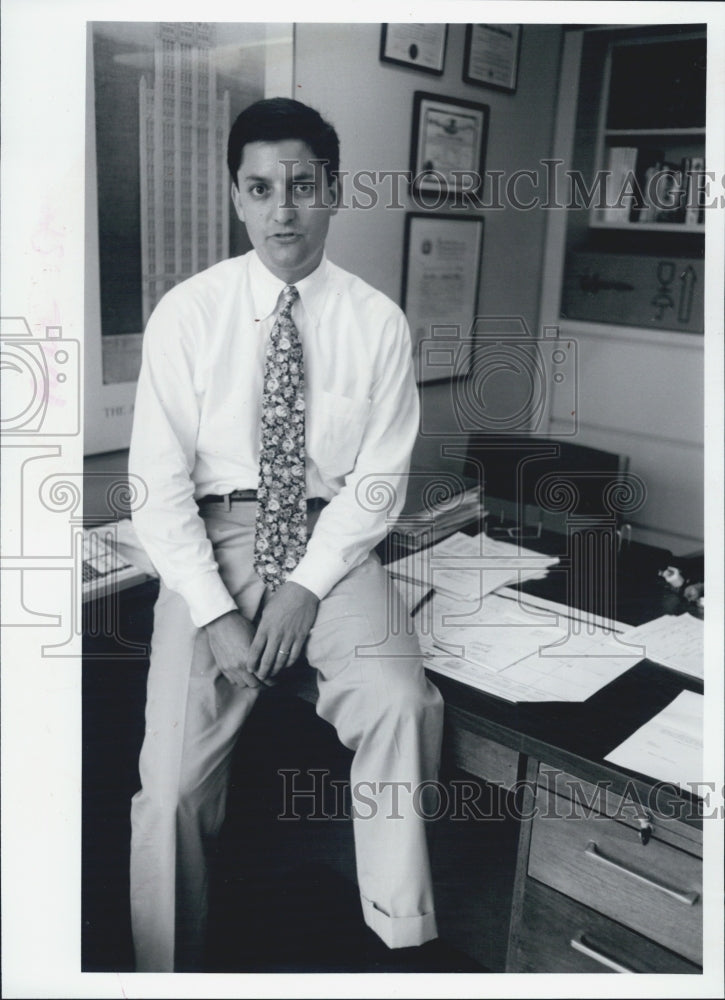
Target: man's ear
{"points": [[237, 202]]}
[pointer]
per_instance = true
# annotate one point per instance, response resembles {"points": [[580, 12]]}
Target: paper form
{"points": [[675, 641], [492, 550], [468, 566], [478, 677], [669, 746], [533, 603], [508, 644], [492, 632], [535, 679], [570, 678], [493, 646]]}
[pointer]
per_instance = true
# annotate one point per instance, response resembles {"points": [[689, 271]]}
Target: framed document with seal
{"points": [[440, 290], [418, 46], [491, 56], [448, 144]]}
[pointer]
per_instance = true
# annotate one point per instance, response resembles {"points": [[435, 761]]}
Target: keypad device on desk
{"points": [[105, 569]]}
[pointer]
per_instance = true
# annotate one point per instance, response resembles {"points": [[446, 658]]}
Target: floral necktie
{"points": [[281, 525]]}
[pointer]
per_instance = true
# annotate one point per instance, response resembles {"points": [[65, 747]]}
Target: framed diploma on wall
{"points": [[491, 56], [448, 144], [418, 46], [441, 275]]}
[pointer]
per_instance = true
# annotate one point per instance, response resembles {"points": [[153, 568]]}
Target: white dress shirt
{"points": [[197, 417]]}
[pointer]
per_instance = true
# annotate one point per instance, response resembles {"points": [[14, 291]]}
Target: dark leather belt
{"points": [[250, 496], [237, 496]]}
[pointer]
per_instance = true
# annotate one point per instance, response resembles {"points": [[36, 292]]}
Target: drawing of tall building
{"points": [[183, 129]]}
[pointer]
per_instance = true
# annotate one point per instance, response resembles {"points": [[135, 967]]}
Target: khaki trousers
{"points": [[372, 689]]}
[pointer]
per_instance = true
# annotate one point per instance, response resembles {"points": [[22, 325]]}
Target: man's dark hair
{"points": [[279, 118]]}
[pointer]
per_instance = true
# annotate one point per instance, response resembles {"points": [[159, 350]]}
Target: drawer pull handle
{"points": [[688, 898], [578, 944]]}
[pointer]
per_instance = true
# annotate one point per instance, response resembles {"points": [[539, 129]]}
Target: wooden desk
{"points": [[621, 904], [609, 862]]}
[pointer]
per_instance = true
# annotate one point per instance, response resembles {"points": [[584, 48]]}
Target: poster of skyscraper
{"points": [[163, 98]]}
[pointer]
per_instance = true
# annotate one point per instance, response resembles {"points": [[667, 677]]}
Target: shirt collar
{"points": [[266, 288]]}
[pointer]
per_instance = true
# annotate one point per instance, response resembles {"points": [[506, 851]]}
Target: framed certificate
{"points": [[442, 268], [419, 46], [491, 57], [448, 144]]}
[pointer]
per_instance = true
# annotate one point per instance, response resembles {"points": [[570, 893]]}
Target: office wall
{"points": [[338, 71]]}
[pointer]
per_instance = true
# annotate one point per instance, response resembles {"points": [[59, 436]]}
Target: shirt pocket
{"points": [[335, 427]]}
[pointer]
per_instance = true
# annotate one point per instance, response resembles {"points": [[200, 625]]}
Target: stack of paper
{"points": [[468, 567], [506, 643], [493, 633], [518, 651], [439, 518]]}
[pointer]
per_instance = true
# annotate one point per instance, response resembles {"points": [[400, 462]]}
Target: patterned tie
{"points": [[281, 525]]}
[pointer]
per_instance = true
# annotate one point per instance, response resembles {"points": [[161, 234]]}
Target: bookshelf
{"points": [[651, 135], [630, 294], [633, 229]]}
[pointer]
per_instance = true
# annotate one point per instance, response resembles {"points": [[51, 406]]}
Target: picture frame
{"points": [[491, 56], [448, 144], [417, 46], [442, 260]]}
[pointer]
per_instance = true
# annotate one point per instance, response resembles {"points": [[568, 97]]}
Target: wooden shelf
{"points": [[646, 144], [675, 133], [649, 227]]}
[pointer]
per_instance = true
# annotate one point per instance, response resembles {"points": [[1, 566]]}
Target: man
{"points": [[276, 390]]}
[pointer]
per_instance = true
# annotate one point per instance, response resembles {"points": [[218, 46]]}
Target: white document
{"points": [[675, 641], [470, 566], [533, 603], [506, 643], [492, 632], [536, 678], [669, 746], [518, 652], [479, 677], [573, 677]]}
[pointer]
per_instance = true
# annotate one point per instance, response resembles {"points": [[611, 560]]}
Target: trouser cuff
{"points": [[399, 932]]}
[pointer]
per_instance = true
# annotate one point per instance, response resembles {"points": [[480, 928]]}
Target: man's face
{"points": [[286, 206]]}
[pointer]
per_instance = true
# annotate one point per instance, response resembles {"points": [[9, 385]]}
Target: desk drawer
{"points": [[556, 934], [485, 758], [653, 888]]}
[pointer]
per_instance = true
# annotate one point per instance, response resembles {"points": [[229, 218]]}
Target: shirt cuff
{"points": [[320, 575], [207, 598]]}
